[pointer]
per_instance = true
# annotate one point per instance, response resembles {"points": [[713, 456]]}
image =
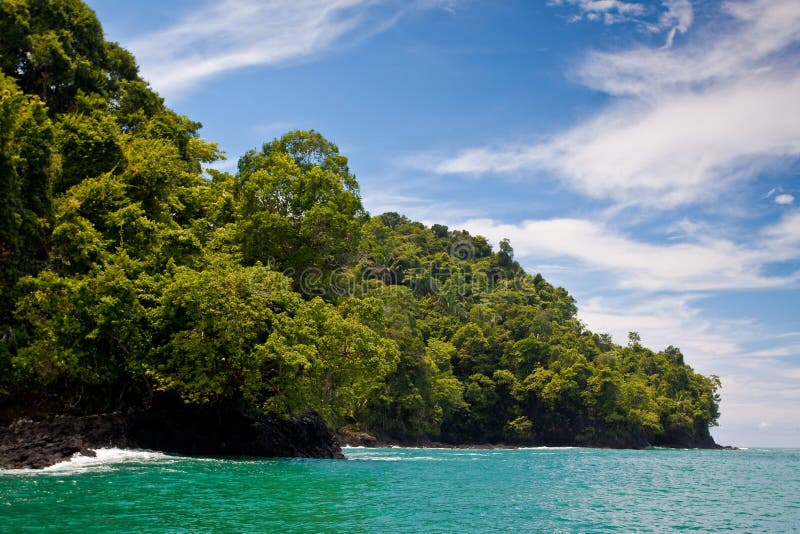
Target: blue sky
{"points": [[644, 155]]}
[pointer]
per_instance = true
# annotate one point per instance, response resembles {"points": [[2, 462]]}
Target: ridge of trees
{"points": [[128, 270]]}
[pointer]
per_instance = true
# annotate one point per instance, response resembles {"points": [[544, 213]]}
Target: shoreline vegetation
{"points": [[135, 277]]}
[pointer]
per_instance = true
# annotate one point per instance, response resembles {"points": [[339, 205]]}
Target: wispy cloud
{"points": [[700, 264], [779, 351], [785, 235], [784, 199], [678, 18], [688, 122], [226, 35], [607, 11], [744, 44], [418, 208], [672, 16], [688, 148], [667, 320]]}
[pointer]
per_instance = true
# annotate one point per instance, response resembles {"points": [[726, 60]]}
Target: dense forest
{"points": [[130, 269]]}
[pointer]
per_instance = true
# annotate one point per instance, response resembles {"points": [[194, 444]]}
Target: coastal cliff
{"points": [[207, 431]]}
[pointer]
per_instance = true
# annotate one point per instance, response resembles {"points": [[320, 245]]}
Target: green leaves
{"points": [[209, 326], [82, 332], [89, 146], [28, 167], [330, 363], [127, 269], [298, 205]]}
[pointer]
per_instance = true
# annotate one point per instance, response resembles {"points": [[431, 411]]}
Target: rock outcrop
{"points": [[190, 430]]}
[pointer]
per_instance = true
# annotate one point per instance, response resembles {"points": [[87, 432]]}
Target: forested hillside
{"points": [[131, 270]]}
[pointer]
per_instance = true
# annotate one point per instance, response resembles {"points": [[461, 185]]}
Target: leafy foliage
{"points": [[127, 271]]}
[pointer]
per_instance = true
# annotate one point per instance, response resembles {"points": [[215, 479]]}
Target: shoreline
{"points": [[191, 431], [367, 441], [474, 447]]}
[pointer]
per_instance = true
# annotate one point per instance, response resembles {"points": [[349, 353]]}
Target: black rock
{"points": [[190, 430]]}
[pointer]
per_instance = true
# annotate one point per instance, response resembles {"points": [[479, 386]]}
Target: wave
{"points": [[104, 460], [465, 448], [395, 458], [544, 448]]}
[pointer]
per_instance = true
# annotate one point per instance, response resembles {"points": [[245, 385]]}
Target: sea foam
{"points": [[104, 460]]}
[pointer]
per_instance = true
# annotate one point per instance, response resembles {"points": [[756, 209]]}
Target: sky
{"points": [[644, 155]]}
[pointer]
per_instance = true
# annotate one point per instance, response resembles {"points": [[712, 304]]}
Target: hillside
{"points": [[130, 271]]}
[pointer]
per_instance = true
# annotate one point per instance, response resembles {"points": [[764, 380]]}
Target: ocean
{"points": [[412, 490]]}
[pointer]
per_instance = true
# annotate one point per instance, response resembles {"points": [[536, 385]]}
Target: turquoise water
{"points": [[407, 490]]}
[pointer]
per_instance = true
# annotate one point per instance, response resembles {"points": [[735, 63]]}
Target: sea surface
{"points": [[412, 490]]}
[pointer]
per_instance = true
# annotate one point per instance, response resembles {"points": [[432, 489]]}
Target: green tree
{"points": [[28, 167], [298, 205], [128, 270], [209, 329], [84, 335], [472, 349], [326, 362]]}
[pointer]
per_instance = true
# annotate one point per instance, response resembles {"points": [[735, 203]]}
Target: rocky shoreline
{"points": [[221, 431], [363, 439], [190, 431]]}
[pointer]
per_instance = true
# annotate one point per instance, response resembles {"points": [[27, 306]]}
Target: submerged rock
{"points": [[191, 430]]}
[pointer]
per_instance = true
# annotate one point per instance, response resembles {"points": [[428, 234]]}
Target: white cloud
{"points": [[779, 351], [688, 148], [785, 235], [225, 35], [744, 44], [416, 208], [700, 264], [672, 14], [602, 6], [675, 16], [678, 17], [664, 321], [784, 199], [689, 122]]}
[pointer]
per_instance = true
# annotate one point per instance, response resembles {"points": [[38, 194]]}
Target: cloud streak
{"points": [[748, 43], [232, 34], [701, 264], [667, 320], [687, 149], [687, 123], [676, 16], [609, 11]]}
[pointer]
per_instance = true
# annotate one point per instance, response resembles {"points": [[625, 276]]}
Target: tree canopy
{"points": [[129, 270]]}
